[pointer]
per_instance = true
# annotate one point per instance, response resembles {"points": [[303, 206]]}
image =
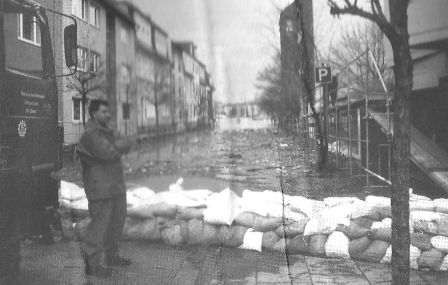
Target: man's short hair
{"points": [[95, 105]]}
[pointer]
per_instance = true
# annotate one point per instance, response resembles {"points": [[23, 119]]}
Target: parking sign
{"points": [[323, 74]]}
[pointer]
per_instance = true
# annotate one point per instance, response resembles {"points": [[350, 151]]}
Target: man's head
{"points": [[99, 111]]}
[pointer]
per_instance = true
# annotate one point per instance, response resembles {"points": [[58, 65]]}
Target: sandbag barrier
{"points": [[337, 227]]}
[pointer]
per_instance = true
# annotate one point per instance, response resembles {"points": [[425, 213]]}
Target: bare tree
{"points": [[396, 30], [346, 54], [91, 74], [160, 88]]}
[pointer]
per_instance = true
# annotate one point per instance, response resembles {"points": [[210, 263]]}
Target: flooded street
{"points": [[239, 154]]}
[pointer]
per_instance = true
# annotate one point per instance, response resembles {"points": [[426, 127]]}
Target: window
{"points": [[29, 29], [94, 61], [79, 9], [125, 74], [125, 34], [94, 14], [78, 111], [82, 58]]}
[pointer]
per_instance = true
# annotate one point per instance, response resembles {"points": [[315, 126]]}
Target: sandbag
{"points": [[179, 199], [195, 232], [172, 235], [375, 252], [353, 231], [298, 244], [190, 213], [414, 256], [357, 247], [68, 228], [364, 222], [440, 243], [222, 208], [141, 229], [441, 205], [421, 205], [421, 241], [151, 210], [80, 228], [269, 240], [262, 224], [431, 259], [291, 230], [252, 240], [245, 219], [324, 225], [431, 222], [337, 245], [210, 234], [80, 208], [70, 191], [337, 201], [282, 244], [380, 213], [235, 237], [444, 266], [316, 245], [306, 206], [144, 194], [378, 201], [384, 234]]}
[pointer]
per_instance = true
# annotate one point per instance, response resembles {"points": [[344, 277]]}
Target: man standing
{"points": [[100, 153]]}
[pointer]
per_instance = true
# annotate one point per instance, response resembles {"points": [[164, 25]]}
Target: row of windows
{"points": [[86, 11], [88, 60]]}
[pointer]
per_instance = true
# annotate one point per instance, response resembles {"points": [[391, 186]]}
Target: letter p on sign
{"points": [[323, 74]]}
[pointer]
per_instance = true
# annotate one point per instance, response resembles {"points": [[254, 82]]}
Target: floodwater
{"points": [[239, 153]]}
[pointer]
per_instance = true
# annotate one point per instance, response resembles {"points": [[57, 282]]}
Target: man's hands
{"points": [[124, 145]]}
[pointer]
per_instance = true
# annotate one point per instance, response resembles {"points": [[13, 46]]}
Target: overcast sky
{"points": [[234, 37]]}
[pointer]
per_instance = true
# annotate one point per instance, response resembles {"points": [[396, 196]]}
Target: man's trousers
{"points": [[105, 230]]}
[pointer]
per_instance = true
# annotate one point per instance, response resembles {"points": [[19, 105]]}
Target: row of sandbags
{"points": [[342, 227]]}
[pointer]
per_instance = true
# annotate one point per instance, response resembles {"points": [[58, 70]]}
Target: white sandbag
{"points": [[444, 266], [245, 219], [255, 207], [414, 255], [337, 245], [421, 205], [198, 194], [306, 206], [441, 205], [275, 210], [252, 240], [426, 221], [337, 201], [180, 199], [190, 213], [150, 210], [377, 201], [295, 216], [70, 191], [266, 196], [387, 224], [415, 197], [65, 203], [82, 204], [324, 225], [440, 243], [360, 209], [143, 194], [222, 208]]}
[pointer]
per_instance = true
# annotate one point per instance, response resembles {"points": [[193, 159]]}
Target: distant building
{"points": [[297, 64]]}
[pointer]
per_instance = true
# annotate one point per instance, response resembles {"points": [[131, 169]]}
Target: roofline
{"points": [[113, 6]]}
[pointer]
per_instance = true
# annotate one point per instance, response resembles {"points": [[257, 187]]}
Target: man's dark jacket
{"points": [[101, 162]]}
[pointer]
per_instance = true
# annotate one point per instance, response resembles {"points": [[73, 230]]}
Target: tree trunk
{"points": [[401, 162]]}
